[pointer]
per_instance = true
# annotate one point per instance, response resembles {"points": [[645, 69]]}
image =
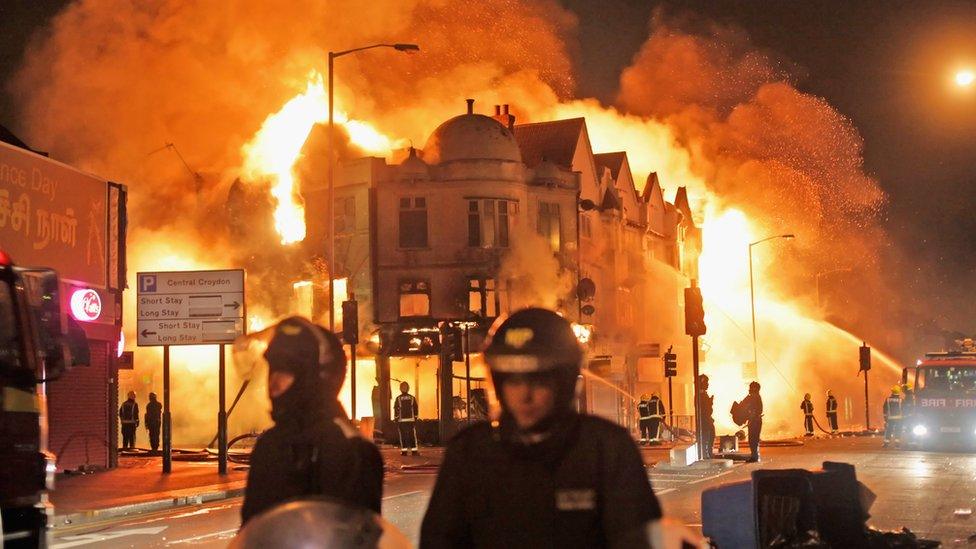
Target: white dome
{"points": [[413, 167], [471, 137]]}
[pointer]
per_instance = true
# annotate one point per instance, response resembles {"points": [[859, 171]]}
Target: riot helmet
{"points": [[537, 344], [314, 356]]}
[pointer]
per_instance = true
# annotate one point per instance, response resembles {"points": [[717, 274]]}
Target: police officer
{"points": [[892, 415], [708, 423], [656, 408], [129, 417], [832, 412], [313, 449], [807, 407], [542, 475], [154, 418], [754, 412], [644, 419], [405, 412]]}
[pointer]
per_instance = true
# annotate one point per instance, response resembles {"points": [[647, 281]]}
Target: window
{"points": [[414, 298], [586, 227], [413, 222], [9, 346], [489, 222], [548, 225], [345, 218], [486, 298]]}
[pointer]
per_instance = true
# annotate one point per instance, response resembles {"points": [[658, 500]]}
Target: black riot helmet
{"points": [[536, 342], [315, 357]]}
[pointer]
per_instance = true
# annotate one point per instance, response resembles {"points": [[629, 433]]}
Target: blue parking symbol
{"points": [[147, 283]]}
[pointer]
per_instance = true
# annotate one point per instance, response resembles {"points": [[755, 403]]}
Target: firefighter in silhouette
{"points": [[832, 412], [405, 412], [656, 407], [644, 419], [892, 415], [807, 407], [753, 407], [708, 423], [543, 474], [154, 419], [313, 449], [129, 418]]}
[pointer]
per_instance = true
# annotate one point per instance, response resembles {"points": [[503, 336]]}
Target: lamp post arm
{"points": [[335, 54]]}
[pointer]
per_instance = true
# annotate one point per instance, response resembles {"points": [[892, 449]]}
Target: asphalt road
{"points": [[919, 490]]}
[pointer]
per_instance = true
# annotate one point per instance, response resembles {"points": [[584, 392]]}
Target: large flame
{"points": [[273, 151]]}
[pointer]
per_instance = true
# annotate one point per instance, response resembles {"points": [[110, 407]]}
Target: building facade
{"points": [[491, 216]]}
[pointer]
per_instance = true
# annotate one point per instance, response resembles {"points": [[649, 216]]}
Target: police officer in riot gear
{"points": [[892, 415], [129, 418], [644, 419], [832, 412], [313, 449], [656, 407], [542, 475], [807, 407], [405, 410], [154, 419]]}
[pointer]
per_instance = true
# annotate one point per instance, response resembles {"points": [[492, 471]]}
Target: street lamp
{"points": [[752, 292], [965, 78], [332, 57]]}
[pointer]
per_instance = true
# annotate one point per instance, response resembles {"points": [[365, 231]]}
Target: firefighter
{"points": [[129, 417], [154, 417], [892, 415], [312, 449], [542, 475], [405, 412], [656, 407], [832, 412], [753, 412], [807, 407], [708, 424], [644, 419]]}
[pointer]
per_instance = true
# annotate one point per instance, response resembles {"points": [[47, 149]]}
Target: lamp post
{"points": [[332, 57], [752, 293]]}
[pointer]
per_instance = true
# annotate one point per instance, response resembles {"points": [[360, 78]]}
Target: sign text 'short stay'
{"points": [[190, 307]]}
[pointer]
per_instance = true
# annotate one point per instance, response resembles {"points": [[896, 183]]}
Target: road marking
{"points": [[204, 536], [85, 539], [665, 491], [403, 494], [709, 478]]}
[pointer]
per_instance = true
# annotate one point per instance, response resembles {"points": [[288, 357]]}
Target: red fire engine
{"points": [[942, 409]]}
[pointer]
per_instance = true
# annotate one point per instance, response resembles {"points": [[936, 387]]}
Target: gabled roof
{"points": [[610, 200], [554, 141], [612, 161], [652, 180], [681, 201]]}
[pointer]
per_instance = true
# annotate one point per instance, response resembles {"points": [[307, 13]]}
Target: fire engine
{"points": [[33, 351], [942, 409]]}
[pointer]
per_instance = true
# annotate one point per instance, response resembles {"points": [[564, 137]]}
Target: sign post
{"points": [[191, 308]]}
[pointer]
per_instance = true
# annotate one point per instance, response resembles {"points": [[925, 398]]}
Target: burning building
{"points": [[491, 216]]}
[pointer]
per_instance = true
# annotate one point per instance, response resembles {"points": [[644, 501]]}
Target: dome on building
{"points": [[412, 167], [471, 137]]}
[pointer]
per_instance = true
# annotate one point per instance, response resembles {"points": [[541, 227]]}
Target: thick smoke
{"points": [[110, 83]]}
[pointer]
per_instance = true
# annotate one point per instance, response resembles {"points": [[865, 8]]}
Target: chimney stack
{"points": [[505, 109], [503, 117], [470, 106]]}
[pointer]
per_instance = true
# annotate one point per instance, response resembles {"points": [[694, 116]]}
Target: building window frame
{"points": [[487, 296], [490, 221], [414, 290], [413, 210], [549, 224]]}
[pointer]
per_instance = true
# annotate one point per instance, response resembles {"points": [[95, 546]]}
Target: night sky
{"points": [[884, 64]]}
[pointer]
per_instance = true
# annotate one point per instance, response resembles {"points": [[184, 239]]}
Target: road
{"points": [[919, 490]]}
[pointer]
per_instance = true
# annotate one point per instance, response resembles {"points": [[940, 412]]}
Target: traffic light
{"points": [[350, 322], [694, 312], [865, 357], [670, 364], [451, 343]]}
